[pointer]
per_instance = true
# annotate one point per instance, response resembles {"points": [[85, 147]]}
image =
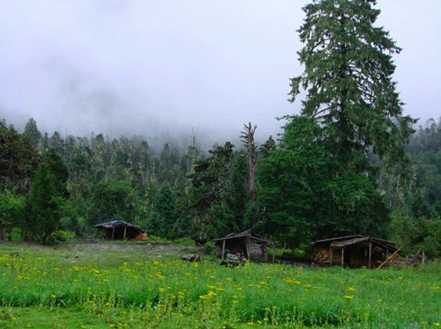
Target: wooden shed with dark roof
{"points": [[353, 251], [244, 244], [118, 229]]}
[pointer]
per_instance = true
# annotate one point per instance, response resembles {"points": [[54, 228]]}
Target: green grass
{"points": [[124, 286]]}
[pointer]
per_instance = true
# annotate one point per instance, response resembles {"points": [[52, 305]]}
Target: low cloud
{"points": [[170, 67]]}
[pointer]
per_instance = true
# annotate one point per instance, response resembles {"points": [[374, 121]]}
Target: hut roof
{"points": [[338, 238], [116, 222], [349, 242], [244, 234], [343, 241]]}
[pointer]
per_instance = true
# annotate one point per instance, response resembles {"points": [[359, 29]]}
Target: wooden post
{"points": [[247, 240], [331, 255], [343, 256], [265, 252], [390, 258], [273, 257], [113, 232], [370, 255], [223, 250], [125, 232]]}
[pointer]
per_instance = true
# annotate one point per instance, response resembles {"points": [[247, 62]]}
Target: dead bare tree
{"points": [[247, 137]]}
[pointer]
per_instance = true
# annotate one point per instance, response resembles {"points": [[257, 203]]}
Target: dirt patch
{"points": [[146, 248]]}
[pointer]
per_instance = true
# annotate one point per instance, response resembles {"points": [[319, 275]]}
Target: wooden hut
{"points": [[244, 244], [353, 251], [118, 229]]}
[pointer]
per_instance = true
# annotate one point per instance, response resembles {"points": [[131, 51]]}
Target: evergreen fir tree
{"points": [[348, 81], [31, 133], [164, 216], [46, 199], [266, 148], [18, 160]]}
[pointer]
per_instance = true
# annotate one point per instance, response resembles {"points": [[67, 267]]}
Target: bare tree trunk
{"points": [[248, 139]]}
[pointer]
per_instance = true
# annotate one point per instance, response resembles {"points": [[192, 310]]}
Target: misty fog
{"points": [[166, 68]]}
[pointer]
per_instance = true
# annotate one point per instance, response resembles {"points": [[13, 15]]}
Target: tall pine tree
{"points": [[348, 80], [45, 201], [31, 133]]}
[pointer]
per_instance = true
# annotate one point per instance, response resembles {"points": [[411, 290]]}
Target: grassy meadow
{"points": [[140, 286]]}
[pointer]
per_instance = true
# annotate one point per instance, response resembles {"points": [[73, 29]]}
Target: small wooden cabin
{"points": [[352, 251], [118, 229], [244, 244]]}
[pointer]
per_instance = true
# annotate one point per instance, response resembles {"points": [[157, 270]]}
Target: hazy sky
{"points": [[144, 66]]}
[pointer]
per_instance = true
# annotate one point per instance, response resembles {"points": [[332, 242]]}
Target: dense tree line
{"points": [[173, 193], [416, 223], [72, 183], [349, 162]]}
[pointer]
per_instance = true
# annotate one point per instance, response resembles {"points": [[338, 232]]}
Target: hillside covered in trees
{"points": [[204, 194]]}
